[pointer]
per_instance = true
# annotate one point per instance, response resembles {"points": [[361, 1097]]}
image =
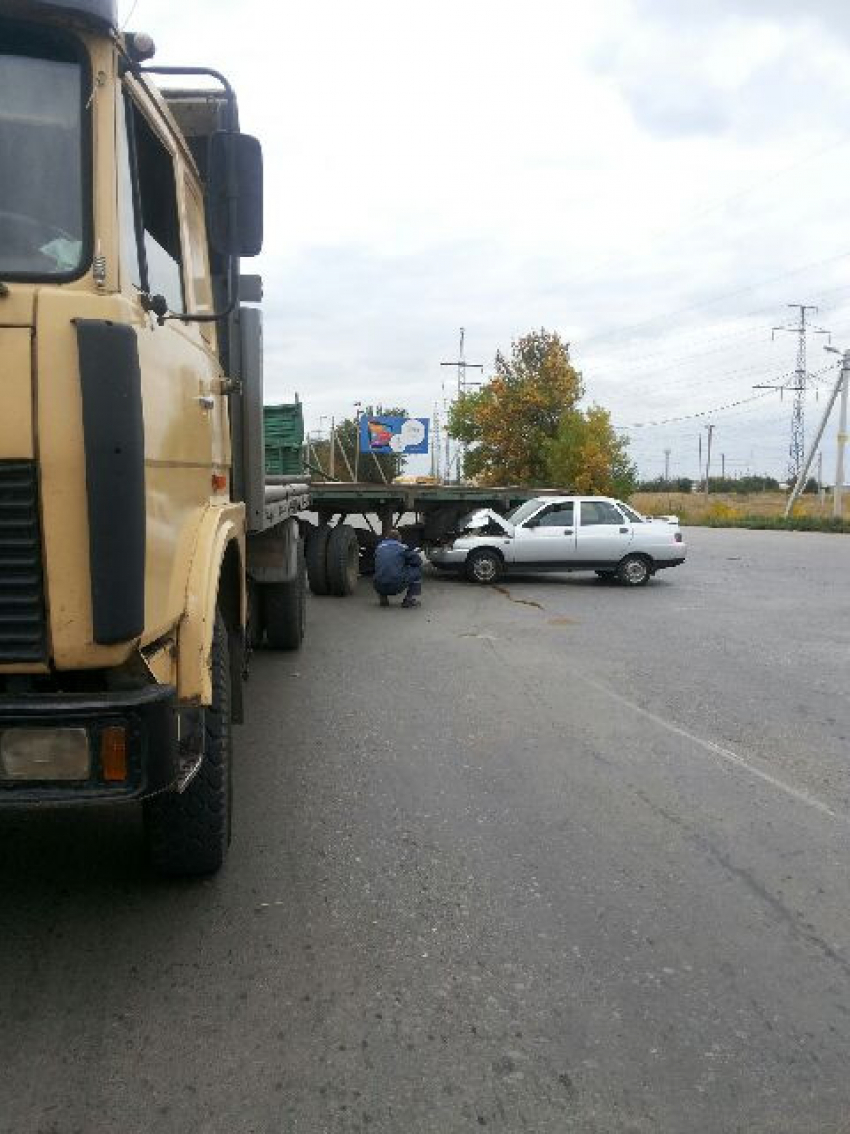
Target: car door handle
{"points": [[568, 531], [624, 531], [206, 401]]}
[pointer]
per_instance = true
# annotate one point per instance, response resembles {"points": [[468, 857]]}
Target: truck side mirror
{"points": [[235, 194]]}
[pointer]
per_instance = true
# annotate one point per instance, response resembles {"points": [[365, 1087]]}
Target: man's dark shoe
{"points": [[409, 602], [385, 600]]}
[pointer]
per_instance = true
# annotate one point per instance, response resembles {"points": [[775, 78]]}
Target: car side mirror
{"points": [[235, 194]]}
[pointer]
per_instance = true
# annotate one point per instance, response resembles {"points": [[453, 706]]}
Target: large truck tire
{"points": [[317, 559], [285, 609], [188, 834], [343, 560]]}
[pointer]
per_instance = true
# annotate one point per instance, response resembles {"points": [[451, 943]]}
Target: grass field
{"points": [[758, 510]]}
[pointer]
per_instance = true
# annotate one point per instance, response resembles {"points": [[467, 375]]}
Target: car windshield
{"points": [[524, 511], [42, 219]]}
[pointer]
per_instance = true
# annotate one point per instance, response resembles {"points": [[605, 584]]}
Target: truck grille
{"points": [[22, 628]]}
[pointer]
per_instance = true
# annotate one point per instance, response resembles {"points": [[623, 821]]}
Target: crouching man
{"points": [[397, 568]]}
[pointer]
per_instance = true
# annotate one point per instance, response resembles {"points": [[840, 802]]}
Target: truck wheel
{"points": [[285, 609], [483, 567], [343, 561], [634, 571], [188, 834], [317, 559]]}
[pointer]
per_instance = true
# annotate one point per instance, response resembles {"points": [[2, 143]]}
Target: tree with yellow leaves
{"points": [[525, 425]]}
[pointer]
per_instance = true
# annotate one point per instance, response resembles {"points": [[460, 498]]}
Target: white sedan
{"points": [[562, 533]]}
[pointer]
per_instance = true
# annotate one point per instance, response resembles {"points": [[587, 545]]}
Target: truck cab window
{"points": [[127, 207], [159, 215], [197, 260], [44, 202]]}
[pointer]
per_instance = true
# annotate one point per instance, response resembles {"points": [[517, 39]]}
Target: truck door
{"points": [[603, 534], [178, 364], [547, 538]]}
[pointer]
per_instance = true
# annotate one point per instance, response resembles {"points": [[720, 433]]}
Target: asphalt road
{"points": [[563, 857]]}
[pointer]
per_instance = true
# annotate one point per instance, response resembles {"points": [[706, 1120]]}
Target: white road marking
{"points": [[718, 750]]}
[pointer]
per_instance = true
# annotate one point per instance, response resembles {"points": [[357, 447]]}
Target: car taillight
{"points": [[677, 536]]}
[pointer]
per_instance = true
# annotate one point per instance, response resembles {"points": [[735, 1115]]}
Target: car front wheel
{"points": [[634, 571], [484, 567]]}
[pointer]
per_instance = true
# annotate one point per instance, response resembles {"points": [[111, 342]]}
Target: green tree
{"points": [[371, 465], [587, 456], [525, 425]]}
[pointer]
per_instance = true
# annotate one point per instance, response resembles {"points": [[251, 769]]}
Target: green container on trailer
{"points": [[283, 433]]}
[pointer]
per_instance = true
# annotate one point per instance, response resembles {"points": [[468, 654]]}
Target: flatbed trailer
{"points": [[423, 513], [436, 506]]}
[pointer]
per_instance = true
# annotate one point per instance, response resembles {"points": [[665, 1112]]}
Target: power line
{"points": [[715, 299], [717, 409], [693, 416]]}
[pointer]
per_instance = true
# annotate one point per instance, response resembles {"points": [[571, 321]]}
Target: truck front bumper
{"points": [[149, 723]]}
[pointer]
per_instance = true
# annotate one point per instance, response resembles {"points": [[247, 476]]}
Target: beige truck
{"points": [[141, 549]]}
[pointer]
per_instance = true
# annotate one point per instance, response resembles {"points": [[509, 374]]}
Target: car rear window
{"points": [[599, 512]]}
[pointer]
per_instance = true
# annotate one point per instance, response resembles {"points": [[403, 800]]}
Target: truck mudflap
{"points": [[101, 747]]}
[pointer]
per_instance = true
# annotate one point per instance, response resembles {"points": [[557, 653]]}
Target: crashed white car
{"points": [[562, 533]]}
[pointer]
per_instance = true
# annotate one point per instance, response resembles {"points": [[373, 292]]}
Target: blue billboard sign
{"points": [[394, 435]]}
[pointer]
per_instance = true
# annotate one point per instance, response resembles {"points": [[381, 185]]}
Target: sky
{"points": [[655, 180]]}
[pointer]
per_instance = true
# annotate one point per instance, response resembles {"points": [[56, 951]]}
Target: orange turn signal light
{"points": [[113, 753], [219, 482]]}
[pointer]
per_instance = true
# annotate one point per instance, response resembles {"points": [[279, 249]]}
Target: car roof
{"points": [[573, 499]]}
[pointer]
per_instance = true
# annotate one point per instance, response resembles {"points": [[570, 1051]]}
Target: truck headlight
{"points": [[44, 754]]}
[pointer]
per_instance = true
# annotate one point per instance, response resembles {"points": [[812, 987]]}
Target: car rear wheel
{"points": [[484, 567], [634, 571]]}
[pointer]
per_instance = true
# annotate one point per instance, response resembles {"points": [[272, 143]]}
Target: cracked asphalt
{"points": [[555, 857]]}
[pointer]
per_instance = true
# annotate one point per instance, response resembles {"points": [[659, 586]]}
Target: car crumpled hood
{"points": [[482, 518]]}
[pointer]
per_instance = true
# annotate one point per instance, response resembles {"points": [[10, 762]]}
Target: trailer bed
{"points": [[343, 497]]}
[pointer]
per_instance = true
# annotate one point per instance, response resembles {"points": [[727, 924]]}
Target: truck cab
{"points": [[131, 475]]}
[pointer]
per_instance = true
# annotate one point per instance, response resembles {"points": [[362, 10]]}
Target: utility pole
{"points": [[840, 386], [435, 444], [667, 466], [357, 408], [699, 464], [838, 491], [463, 385], [722, 466], [710, 429], [797, 444]]}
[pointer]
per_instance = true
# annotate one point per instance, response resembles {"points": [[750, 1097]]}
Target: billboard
{"points": [[395, 435]]}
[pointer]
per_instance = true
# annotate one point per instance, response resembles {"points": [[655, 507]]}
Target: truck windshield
{"points": [[42, 207]]}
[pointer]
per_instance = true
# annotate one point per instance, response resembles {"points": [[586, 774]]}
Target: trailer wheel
{"points": [[317, 559], [343, 560], [285, 606], [188, 834]]}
